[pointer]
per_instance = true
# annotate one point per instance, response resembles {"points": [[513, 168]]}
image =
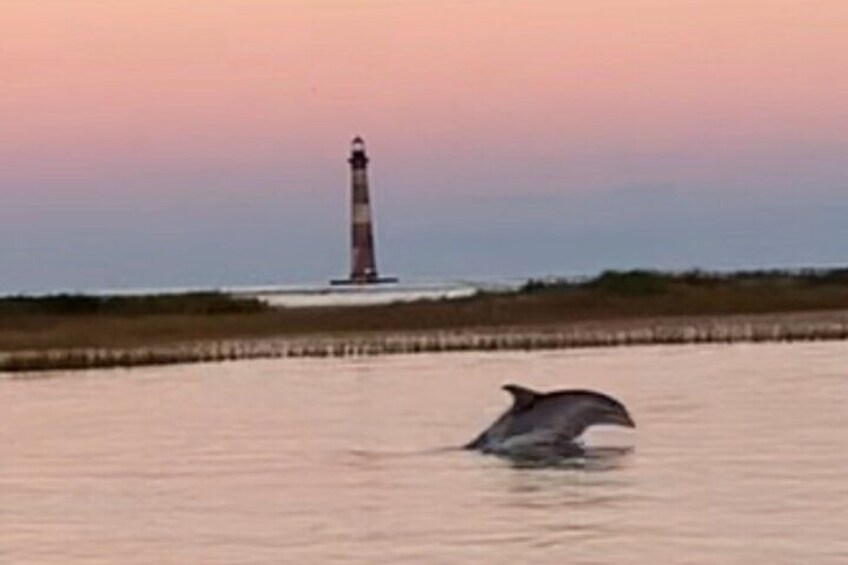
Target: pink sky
{"points": [[113, 83], [106, 100]]}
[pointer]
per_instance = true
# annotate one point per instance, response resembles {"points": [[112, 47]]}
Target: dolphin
{"points": [[548, 425]]}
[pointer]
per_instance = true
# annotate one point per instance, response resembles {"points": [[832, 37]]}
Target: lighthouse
{"points": [[363, 263]]}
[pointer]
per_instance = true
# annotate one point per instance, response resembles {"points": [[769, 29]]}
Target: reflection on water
{"points": [[740, 457], [592, 460]]}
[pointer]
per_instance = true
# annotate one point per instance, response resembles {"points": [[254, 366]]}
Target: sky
{"points": [[171, 143]]}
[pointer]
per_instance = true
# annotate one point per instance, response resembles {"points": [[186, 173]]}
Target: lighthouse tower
{"points": [[363, 265]]}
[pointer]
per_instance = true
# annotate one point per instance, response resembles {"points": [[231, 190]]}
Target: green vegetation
{"points": [[193, 304], [644, 282], [68, 322]]}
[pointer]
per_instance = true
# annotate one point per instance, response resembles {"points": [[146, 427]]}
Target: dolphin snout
{"points": [[619, 417]]}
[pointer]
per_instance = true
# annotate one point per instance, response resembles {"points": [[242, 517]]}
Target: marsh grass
{"points": [[80, 331], [677, 330]]}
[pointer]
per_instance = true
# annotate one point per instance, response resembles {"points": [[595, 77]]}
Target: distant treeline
{"points": [[641, 292], [649, 282], [75, 321], [200, 303]]}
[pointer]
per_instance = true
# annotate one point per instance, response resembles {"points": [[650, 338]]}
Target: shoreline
{"points": [[735, 328]]}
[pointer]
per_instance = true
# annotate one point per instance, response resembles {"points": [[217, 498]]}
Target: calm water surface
{"points": [[742, 457]]}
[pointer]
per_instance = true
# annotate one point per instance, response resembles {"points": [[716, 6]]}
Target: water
{"points": [[741, 457]]}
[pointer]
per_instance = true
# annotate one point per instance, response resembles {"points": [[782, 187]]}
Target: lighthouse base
{"points": [[364, 281]]}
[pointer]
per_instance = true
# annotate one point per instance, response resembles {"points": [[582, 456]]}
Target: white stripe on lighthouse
{"points": [[361, 213], [360, 177]]}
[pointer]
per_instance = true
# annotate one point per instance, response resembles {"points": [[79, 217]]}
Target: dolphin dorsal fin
{"points": [[522, 397]]}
